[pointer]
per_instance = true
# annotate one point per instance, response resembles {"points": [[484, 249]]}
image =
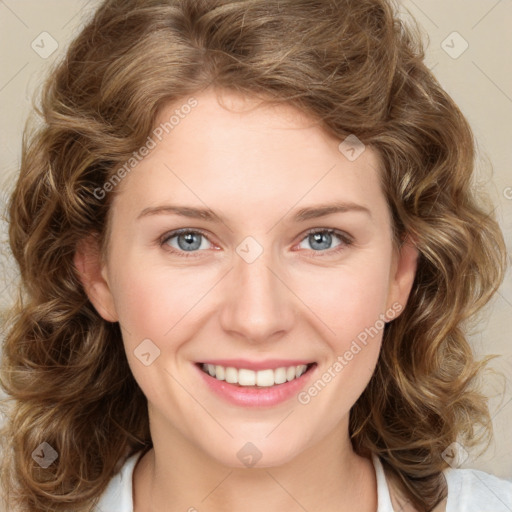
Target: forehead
{"points": [[232, 150]]}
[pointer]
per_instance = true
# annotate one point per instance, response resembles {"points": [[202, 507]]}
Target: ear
{"points": [[405, 263], [93, 276]]}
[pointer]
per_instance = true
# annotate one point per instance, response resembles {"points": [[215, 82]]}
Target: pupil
{"points": [[190, 242], [318, 238]]}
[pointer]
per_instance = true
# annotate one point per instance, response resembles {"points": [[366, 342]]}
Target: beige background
{"points": [[479, 79]]}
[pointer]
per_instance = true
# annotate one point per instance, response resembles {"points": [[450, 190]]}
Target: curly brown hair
{"points": [[355, 66]]}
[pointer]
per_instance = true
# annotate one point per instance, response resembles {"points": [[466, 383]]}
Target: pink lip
{"points": [[268, 364], [253, 396]]}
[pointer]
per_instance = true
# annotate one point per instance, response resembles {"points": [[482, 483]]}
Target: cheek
{"points": [[347, 300], [159, 307], [157, 303], [353, 308], [136, 304]]}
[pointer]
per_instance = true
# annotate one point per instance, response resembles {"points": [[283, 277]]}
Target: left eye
{"points": [[321, 239], [189, 241]]}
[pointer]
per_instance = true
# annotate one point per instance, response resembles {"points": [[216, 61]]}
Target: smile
{"points": [[255, 378]]}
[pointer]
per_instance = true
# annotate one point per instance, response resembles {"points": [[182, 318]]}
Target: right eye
{"points": [[181, 241]]}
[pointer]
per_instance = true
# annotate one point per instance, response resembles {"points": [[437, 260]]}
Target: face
{"points": [[267, 283]]}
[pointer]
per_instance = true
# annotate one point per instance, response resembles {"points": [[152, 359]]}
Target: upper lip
{"points": [[267, 364]]}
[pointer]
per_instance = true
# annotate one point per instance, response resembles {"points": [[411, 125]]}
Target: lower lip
{"points": [[256, 397]]}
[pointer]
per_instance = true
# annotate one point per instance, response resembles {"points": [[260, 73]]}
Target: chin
{"points": [[256, 453]]}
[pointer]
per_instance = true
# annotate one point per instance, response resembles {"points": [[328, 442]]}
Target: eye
{"points": [[321, 240], [183, 241], [187, 240]]}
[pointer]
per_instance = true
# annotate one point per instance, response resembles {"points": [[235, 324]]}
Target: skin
{"points": [[254, 165]]}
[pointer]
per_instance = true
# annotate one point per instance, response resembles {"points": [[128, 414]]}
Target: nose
{"points": [[259, 305]]}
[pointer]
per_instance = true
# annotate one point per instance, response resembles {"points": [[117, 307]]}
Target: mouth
{"points": [[264, 378]]}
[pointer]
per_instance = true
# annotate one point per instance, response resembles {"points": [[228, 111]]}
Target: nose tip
{"points": [[258, 306]]}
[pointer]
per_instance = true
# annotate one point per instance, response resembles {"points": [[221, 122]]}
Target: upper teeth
{"points": [[245, 377]]}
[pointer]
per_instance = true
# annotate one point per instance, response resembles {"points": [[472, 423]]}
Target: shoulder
{"points": [[118, 496], [471, 490]]}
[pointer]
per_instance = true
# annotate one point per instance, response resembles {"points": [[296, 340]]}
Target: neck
{"points": [[177, 476]]}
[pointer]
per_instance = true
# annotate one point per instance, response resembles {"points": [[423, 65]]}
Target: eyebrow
{"points": [[310, 212]]}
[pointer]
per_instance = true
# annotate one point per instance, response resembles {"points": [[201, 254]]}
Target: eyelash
{"points": [[346, 240]]}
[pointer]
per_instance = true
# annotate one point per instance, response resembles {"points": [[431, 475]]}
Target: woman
{"points": [[249, 245]]}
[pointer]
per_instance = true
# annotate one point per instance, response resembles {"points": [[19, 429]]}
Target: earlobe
{"points": [[404, 273], [92, 274]]}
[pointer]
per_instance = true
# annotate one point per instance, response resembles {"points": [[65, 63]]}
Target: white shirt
{"points": [[469, 490]]}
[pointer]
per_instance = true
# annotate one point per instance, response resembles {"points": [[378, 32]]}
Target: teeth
{"points": [[220, 373], [264, 377], [246, 378], [280, 376], [261, 378], [231, 375]]}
